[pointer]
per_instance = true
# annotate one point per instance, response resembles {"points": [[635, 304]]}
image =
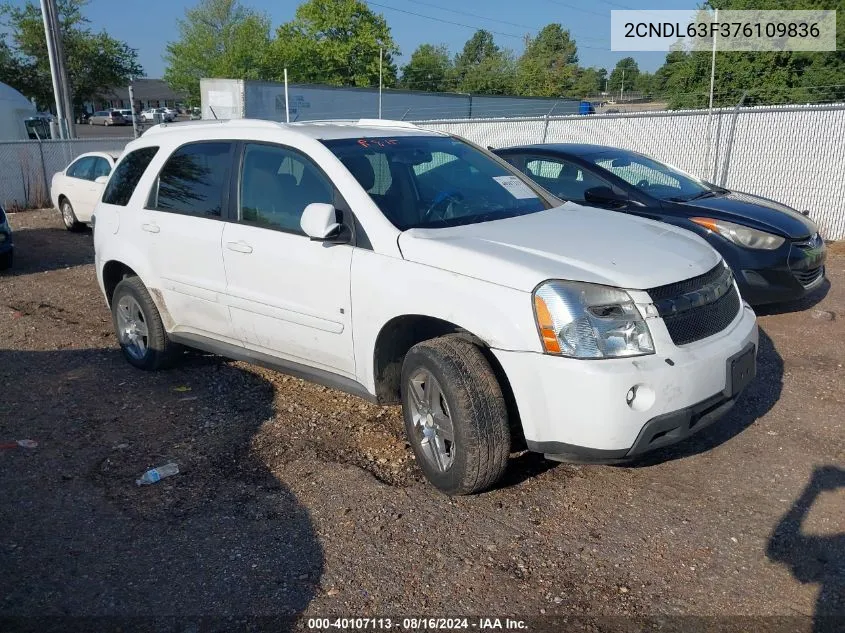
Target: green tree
{"points": [[484, 68], [626, 71], [334, 42], [590, 81], [549, 65], [217, 38], [765, 77], [94, 61], [428, 69]]}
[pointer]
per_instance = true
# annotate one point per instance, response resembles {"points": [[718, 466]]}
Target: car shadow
{"points": [[804, 303], [815, 559], [222, 545], [40, 250], [759, 397]]}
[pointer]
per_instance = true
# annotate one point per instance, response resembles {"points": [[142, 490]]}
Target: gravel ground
{"points": [[297, 500]]}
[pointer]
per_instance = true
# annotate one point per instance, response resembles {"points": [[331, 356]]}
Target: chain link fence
{"points": [[28, 167], [791, 154]]}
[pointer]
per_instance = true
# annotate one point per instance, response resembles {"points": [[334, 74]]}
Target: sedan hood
{"points": [[569, 242], [757, 212]]}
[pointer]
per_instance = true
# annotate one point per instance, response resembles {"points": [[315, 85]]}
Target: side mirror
{"points": [[319, 221], [101, 180], [605, 196]]}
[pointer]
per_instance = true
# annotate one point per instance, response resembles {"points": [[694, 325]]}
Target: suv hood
{"points": [[757, 212], [570, 242]]}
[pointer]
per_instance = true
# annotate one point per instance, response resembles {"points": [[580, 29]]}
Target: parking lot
{"points": [[297, 500]]}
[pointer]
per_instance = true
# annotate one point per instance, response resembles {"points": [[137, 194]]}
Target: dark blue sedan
{"points": [[775, 252], [7, 247]]}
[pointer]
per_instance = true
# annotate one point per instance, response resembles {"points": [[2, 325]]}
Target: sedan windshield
{"points": [[435, 181], [654, 178]]}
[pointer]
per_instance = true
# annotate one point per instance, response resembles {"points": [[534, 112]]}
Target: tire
{"points": [[69, 216], [133, 308], [477, 456], [6, 260], [90, 121]]}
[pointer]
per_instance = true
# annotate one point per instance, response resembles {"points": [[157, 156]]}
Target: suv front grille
{"points": [[699, 307]]}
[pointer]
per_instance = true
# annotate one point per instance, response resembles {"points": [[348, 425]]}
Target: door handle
{"points": [[151, 228], [239, 247]]}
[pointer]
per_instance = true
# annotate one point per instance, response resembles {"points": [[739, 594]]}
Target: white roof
{"points": [[320, 130]]}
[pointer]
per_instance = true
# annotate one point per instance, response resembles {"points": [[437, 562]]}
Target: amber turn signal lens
{"points": [[707, 223], [546, 326]]}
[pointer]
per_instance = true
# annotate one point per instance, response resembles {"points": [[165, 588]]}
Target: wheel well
{"points": [[113, 273], [61, 197]]}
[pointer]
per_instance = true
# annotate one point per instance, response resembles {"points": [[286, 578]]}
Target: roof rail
{"points": [[261, 123], [363, 122]]}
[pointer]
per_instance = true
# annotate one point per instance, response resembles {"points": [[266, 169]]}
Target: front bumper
{"points": [[785, 274], [579, 409]]}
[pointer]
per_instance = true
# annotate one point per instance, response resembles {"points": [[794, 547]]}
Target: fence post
{"points": [[546, 126], [718, 136], [43, 168], [723, 177]]}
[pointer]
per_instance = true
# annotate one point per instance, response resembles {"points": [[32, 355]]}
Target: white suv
{"points": [[406, 265]]}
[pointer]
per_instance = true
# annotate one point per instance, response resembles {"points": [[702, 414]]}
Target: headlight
{"points": [[741, 235], [584, 320]]}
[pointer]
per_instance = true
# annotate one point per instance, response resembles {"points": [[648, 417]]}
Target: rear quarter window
{"points": [[126, 176]]}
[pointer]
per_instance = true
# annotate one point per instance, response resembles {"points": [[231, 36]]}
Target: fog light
{"points": [[754, 278], [640, 397]]}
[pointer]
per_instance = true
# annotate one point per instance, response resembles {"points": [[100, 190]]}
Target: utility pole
{"points": [[287, 105], [710, 149], [622, 89], [380, 50], [51, 33], [132, 109]]}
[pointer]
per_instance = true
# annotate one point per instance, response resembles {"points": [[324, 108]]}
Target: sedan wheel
{"points": [[69, 217]]}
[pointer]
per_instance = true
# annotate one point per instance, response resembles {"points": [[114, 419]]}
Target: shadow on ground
{"points": [[805, 303], [215, 546], [759, 397], [40, 250], [815, 559]]}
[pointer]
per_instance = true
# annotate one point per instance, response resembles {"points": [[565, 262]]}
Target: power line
{"points": [[577, 8], [429, 17], [475, 15]]}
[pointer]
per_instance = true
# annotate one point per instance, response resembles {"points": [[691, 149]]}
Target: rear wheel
{"points": [[140, 332], [455, 415], [6, 259]]}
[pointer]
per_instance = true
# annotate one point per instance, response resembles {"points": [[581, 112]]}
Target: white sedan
{"points": [[149, 115], [76, 190]]}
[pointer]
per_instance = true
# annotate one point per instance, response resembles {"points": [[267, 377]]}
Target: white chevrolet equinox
{"points": [[409, 266]]}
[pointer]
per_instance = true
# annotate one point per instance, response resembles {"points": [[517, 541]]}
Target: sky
{"points": [[148, 26]]}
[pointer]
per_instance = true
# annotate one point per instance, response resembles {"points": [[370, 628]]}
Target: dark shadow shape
{"points": [[524, 467], [804, 303], [40, 250], [814, 559], [759, 397], [222, 546]]}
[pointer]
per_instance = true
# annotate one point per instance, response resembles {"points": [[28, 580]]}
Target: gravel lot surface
{"points": [[295, 499]]}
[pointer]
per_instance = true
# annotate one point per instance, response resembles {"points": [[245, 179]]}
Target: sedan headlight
{"points": [[582, 320], [741, 235]]}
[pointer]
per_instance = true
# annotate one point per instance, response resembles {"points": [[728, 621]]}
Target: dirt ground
{"points": [[295, 501]]}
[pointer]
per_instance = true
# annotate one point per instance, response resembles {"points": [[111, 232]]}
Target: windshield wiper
{"points": [[704, 194]]}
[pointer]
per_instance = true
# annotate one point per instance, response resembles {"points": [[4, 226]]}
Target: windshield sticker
{"points": [[378, 142], [515, 187]]}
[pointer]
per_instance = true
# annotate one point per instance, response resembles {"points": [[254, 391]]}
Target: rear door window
{"points": [[82, 168], [194, 179], [126, 176]]}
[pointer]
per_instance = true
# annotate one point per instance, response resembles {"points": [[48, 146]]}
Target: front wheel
{"points": [[455, 415], [69, 217], [140, 332]]}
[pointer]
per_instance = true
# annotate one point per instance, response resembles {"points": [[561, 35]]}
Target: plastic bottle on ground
{"points": [[154, 475]]}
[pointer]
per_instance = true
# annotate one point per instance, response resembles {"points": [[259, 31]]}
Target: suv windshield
{"points": [[435, 181], [656, 179]]}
